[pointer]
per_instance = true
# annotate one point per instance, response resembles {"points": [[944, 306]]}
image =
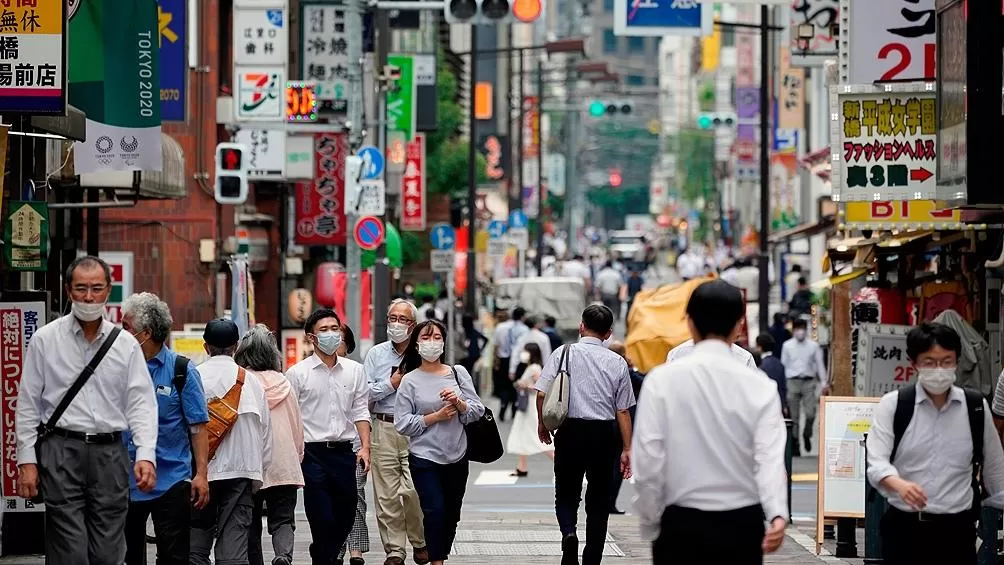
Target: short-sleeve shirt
{"points": [[174, 450], [599, 381]]}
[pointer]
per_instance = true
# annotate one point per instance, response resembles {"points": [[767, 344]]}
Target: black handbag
{"points": [[484, 443]]}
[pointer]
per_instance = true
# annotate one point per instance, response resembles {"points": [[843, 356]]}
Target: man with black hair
{"points": [[801, 301], [807, 380], [599, 395], [551, 330], [507, 336], [928, 446], [773, 367], [709, 446]]}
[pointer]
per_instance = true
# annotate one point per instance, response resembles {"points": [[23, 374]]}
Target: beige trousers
{"points": [[399, 516]]}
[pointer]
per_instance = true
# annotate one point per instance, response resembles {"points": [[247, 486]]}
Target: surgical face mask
{"points": [[431, 350], [524, 356], [328, 342], [799, 334], [136, 335], [936, 380], [88, 312], [398, 332]]}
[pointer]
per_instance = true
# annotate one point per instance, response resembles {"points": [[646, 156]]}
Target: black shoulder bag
{"points": [[484, 443], [44, 429]]}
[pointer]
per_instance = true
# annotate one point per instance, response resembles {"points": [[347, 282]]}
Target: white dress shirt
{"points": [[533, 336], [935, 452], [119, 395], [332, 399], [247, 449], [803, 359], [687, 347], [503, 349], [709, 435]]}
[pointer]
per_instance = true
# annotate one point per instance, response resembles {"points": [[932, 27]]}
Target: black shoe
{"points": [[570, 550], [615, 510], [808, 444], [281, 560], [357, 561], [795, 450], [518, 473]]}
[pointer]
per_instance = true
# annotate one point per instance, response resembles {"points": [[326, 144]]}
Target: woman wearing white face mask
{"points": [[523, 439], [433, 404]]}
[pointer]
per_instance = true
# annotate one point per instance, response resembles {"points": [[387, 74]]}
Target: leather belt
{"points": [[98, 439], [389, 418], [332, 444]]}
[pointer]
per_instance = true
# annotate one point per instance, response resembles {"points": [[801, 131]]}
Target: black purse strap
{"points": [[78, 384]]}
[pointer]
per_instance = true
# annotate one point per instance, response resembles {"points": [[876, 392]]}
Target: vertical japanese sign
{"points": [[266, 153], [324, 56], [889, 40], [18, 323], [822, 16], [495, 148], [33, 57], [260, 53], [952, 139], [26, 236], [114, 78], [172, 21], [530, 176], [884, 141], [401, 103], [320, 210], [413, 186], [882, 364], [791, 99], [240, 293], [662, 17], [747, 132], [785, 190]]}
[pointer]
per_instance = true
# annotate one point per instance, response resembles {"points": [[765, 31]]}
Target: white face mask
{"points": [[88, 312], [398, 332], [799, 334], [431, 350], [936, 380], [524, 356], [328, 342]]}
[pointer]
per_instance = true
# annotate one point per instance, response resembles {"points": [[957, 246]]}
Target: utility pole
{"points": [[381, 282], [354, 125], [572, 187], [472, 179], [765, 137], [539, 259]]}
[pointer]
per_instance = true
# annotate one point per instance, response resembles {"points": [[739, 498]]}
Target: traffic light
{"points": [[491, 11], [231, 174], [610, 108], [615, 178], [708, 120]]}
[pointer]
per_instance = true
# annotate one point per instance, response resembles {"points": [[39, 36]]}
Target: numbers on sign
{"points": [[299, 101], [905, 58], [903, 374]]}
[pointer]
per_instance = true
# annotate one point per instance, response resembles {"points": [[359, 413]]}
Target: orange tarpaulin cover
{"points": [[658, 322]]}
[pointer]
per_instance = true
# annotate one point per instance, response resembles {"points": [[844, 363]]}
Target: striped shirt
{"points": [[599, 381]]}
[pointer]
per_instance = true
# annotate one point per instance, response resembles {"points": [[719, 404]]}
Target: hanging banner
{"points": [[785, 191], [173, 18], [822, 16], [883, 142], [791, 105], [324, 55], [33, 73], [891, 41], [657, 18], [19, 320], [26, 236], [320, 210], [413, 186], [747, 148], [401, 102], [952, 108], [239, 293], [115, 79]]}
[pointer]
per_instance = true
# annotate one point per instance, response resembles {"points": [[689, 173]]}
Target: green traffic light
{"points": [[704, 122], [597, 108]]}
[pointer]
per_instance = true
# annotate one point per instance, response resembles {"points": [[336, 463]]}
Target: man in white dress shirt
{"points": [[236, 470], [81, 463], [535, 335], [807, 380], [929, 476], [334, 405], [709, 447]]}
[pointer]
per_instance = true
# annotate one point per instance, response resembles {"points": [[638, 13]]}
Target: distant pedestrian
{"points": [[551, 329], [599, 398], [475, 342], [535, 336], [779, 331], [637, 378], [359, 538], [709, 447], [609, 284], [801, 301], [523, 440], [507, 336], [807, 380], [773, 367]]}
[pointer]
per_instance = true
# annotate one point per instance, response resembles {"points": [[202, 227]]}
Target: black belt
{"points": [[340, 445], [389, 418], [913, 517], [101, 438]]}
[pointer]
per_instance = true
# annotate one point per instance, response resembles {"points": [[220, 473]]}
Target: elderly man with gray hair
{"points": [[181, 434]]}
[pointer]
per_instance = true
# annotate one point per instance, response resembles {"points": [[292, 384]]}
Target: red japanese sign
{"points": [[13, 361], [413, 186], [320, 213]]}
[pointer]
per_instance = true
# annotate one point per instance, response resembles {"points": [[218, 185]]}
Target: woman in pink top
{"points": [[258, 352]]}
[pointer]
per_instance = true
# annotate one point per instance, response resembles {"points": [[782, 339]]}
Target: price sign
{"points": [[301, 101], [892, 40]]}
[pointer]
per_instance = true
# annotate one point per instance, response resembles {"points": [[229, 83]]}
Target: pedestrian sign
{"points": [[373, 162], [369, 233], [496, 229], [443, 237], [517, 219]]}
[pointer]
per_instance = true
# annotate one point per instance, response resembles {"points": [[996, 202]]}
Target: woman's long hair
{"points": [[535, 355], [412, 360]]}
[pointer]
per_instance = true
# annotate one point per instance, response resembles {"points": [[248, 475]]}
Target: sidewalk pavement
{"points": [[526, 538]]}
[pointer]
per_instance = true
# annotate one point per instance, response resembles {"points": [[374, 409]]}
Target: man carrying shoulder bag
{"points": [[83, 383]]}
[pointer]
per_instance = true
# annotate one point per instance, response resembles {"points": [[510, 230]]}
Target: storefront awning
{"points": [[166, 184], [802, 231]]}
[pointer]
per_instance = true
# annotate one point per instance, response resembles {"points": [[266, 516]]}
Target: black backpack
{"points": [[905, 404]]}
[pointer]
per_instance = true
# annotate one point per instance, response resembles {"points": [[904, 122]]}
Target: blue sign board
{"points": [[443, 237], [496, 229], [517, 220], [173, 59], [372, 162], [656, 18]]}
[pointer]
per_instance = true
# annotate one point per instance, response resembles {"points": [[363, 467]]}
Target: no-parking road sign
{"points": [[369, 233]]}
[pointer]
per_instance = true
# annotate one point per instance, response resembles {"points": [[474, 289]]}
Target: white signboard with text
{"points": [[889, 40], [266, 153], [261, 36], [882, 365]]}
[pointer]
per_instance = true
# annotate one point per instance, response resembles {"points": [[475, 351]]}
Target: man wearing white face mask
{"points": [[333, 397], [803, 367], [399, 515], [928, 445]]}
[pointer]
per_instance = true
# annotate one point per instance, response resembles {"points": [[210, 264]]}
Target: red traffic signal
{"points": [[615, 179], [230, 159]]}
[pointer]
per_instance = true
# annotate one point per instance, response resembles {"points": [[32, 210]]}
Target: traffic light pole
{"points": [[765, 74], [353, 259], [541, 195], [472, 180]]}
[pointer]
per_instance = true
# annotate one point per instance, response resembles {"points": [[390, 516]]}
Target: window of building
{"points": [[636, 44], [609, 42], [636, 80], [608, 6], [728, 37]]}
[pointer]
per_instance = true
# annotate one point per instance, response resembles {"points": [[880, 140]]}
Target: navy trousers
{"points": [[441, 491], [329, 497]]}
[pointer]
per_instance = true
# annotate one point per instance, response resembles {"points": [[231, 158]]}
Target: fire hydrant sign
{"points": [[26, 236], [884, 142]]}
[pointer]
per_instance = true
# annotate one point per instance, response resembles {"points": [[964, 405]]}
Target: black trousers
{"points": [[691, 536], [172, 514], [329, 497], [503, 389], [940, 538], [584, 448], [278, 504], [441, 491]]}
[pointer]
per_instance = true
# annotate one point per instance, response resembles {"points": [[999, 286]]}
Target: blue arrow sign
{"points": [[496, 229], [517, 220], [443, 237], [372, 162]]}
